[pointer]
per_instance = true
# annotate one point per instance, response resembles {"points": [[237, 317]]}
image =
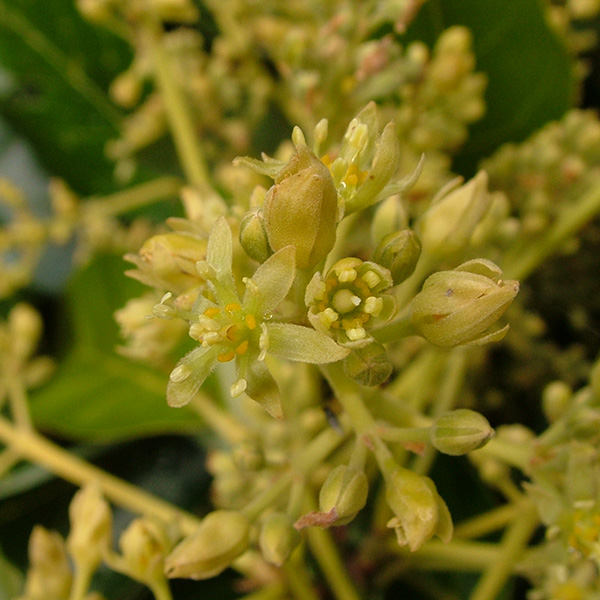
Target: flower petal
{"points": [[304, 344], [271, 282], [189, 375], [219, 252], [262, 388]]}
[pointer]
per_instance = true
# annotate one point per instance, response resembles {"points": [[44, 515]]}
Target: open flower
{"points": [[348, 300], [228, 327]]}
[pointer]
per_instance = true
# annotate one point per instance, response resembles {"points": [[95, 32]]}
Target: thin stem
{"points": [[520, 264], [179, 116], [161, 590], [514, 455], [458, 555], [298, 579], [220, 421], [326, 554], [451, 385], [404, 434], [18, 402], [81, 582], [133, 198], [37, 449], [513, 543], [394, 331], [488, 522]]}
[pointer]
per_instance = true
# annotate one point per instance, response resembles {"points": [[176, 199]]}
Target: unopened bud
{"points": [[25, 326], [221, 537], [460, 431], [458, 307], [556, 399], [253, 236], [301, 208], [369, 365], [278, 538], [345, 492], [399, 252], [447, 227], [144, 545], [49, 573], [91, 527]]}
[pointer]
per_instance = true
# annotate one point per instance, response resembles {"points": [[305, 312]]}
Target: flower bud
{"points": [[457, 307], [460, 431], [447, 227], [91, 527], [219, 540], [399, 252], [556, 400], [344, 492], [301, 209], [369, 365], [25, 326], [278, 538], [144, 545], [49, 573], [420, 513], [253, 236]]}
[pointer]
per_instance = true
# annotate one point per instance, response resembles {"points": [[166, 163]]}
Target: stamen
{"points": [[371, 279], [233, 307], [238, 388], [180, 373], [212, 312], [242, 348], [226, 356], [250, 321]]}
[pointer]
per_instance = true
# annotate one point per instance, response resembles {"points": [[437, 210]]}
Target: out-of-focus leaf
{"points": [[56, 70], [529, 71], [96, 393]]}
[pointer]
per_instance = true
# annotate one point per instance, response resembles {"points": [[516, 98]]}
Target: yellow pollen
{"points": [[233, 307], [212, 312], [326, 160], [241, 349], [250, 321], [231, 333], [226, 356]]}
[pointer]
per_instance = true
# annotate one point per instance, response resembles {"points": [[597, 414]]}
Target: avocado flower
{"points": [[243, 329]]}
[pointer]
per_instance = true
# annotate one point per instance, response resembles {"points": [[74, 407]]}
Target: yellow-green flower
{"points": [[349, 299], [229, 327]]}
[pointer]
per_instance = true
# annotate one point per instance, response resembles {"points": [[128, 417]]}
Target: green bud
{"points": [[344, 494], [90, 535], [460, 431], [253, 236], [447, 227], [301, 209], [556, 400], [399, 252], [49, 573], [144, 545], [219, 540], [420, 513], [278, 538], [369, 365], [458, 307]]}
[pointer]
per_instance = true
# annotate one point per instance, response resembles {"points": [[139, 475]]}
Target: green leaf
{"points": [[58, 67], [98, 395], [529, 71]]}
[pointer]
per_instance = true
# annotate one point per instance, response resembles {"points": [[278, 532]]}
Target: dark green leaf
{"points": [[96, 393], [59, 67], [529, 71]]}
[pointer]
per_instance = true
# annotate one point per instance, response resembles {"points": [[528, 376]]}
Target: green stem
{"points": [[18, 402], [488, 522], [327, 556], [298, 579], [179, 116], [514, 455], [404, 434], [37, 449], [227, 426], [446, 399], [458, 555], [513, 544], [396, 330], [161, 590], [133, 198], [519, 265]]}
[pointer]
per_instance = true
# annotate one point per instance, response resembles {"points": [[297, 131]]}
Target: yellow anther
{"points": [[371, 279], [226, 356], [326, 160], [250, 321], [212, 312], [231, 333], [241, 349], [233, 307]]}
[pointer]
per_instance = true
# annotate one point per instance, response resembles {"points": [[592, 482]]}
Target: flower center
{"points": [[229, 327]]}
